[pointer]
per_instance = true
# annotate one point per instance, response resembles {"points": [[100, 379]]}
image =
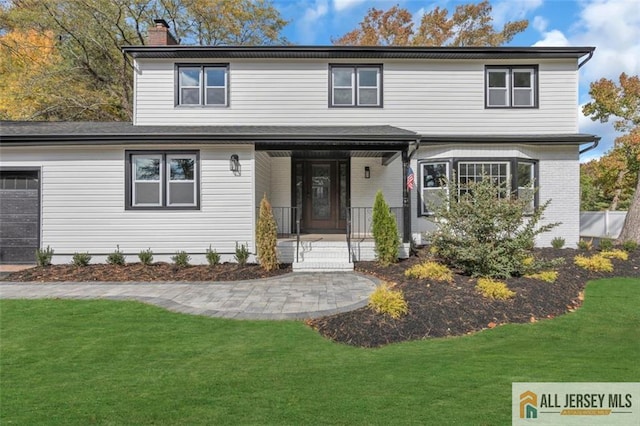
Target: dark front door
{"points": [[324, 185]]}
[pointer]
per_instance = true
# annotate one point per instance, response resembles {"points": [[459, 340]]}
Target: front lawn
{"points": [[105, 362]]}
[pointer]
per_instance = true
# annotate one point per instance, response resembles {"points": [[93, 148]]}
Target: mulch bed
{"points": [[438, 309], [138, 272]]}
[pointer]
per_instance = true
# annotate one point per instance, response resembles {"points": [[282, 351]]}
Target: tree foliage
{"points": [[618, 170], [83, 74], [385, 231], [469, 25], [483, 234], [267, 237]]}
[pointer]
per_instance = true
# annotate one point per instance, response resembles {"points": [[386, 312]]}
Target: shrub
{"points": [[181, 259], [213, 257], [81, 259], [43, 257], [596, 263], [267, 237], [547, 276], [430, 270], [615, 254], [385, 300], [242, 254], [484, 235], [146, 257], [585, 244], [116, 257], [629, 246], [557, 243], [385, 232], [493, 289], [605, 244]]}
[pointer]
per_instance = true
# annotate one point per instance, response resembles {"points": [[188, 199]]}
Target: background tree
{"points": [[88, 77], [622, 102], [469, 25]]}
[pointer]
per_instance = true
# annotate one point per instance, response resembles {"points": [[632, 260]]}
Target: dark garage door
{"points": [[19, 215]]}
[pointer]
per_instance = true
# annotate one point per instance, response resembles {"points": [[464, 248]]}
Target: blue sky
{"points": [[612, 26]]}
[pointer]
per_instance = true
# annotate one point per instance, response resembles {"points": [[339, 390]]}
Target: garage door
{"points": [[19, 215]]}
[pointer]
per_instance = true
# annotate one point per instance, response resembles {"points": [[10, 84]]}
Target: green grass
{"points": [[106, 362]]}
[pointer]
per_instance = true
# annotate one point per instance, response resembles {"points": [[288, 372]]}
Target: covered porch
{"points": [[322, 189]]}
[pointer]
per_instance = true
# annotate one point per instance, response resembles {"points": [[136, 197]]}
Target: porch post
{"points": [[406, 199]]}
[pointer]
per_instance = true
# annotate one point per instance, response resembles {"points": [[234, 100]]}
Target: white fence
{"points": [[606, 224]]}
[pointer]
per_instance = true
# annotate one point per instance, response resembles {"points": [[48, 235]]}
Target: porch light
{"points": [[234, 163], [367, 172]]}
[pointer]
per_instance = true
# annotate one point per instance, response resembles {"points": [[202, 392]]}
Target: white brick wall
{"points": [[559, 181]]}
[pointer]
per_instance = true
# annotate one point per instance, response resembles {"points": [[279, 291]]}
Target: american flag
{"points": [[410, 178]]}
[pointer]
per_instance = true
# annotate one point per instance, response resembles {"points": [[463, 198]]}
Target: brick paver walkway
{"points": [[291, 296]]}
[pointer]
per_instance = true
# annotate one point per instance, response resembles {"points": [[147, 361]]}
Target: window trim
{"points": [[355, 85], [453, 167], [509, 69], [164, 182], [202, 85], [422, 211]]}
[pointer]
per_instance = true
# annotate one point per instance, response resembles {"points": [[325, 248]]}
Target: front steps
{"points": [[318, 256]]}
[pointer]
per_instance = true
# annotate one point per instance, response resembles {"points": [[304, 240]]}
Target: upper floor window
{"points": [[162, 179], [202, 85], [355, 86], [511, 87]]}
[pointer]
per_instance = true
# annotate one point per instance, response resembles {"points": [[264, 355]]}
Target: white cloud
{"points": [[613, 26], [307, 27], [340, 5], [540, 23], [512, 10], [553, 38]]}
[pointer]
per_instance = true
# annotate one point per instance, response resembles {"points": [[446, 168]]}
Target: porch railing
{"points": [[286, 218], [362, 217]]}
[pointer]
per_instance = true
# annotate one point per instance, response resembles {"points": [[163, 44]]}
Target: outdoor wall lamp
{"points": [[367, 172], [234, 163]]}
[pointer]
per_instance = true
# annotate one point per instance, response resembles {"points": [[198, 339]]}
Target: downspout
{"points": [[586, 60], [593, 145]]}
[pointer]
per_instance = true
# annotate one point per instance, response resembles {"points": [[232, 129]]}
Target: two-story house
{"points": [[317, 129]]}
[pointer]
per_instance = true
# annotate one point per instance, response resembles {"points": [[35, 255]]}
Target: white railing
{"points": [[606, 224]]}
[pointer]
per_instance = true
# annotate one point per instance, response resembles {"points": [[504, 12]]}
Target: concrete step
{"points": [[322, 266]]}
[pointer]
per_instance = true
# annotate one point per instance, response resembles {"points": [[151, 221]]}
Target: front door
{"points": [[324, 192]]}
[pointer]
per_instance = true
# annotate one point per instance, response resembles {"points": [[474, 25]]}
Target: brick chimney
{"points": [[160, 34]]}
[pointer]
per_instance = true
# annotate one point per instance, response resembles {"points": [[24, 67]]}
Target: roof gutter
{"points": [[585, 61], [592, 146]]}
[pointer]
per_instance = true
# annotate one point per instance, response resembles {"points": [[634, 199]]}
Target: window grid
{"points": [[497, 172], [511, 87], [360, 90], [206, 96], [175, 175]]}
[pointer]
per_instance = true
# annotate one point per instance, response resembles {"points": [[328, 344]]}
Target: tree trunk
{"points": [[631, 227], [619, 184]]}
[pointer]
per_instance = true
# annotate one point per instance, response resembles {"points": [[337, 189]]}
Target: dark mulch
{"points": [[435, 309], [138, 272], [439, 309]]}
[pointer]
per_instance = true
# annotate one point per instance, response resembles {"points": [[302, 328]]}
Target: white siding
{"points": [[388, 179], [429, 97], [559, 181], [263, 177], [83, 203]]}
